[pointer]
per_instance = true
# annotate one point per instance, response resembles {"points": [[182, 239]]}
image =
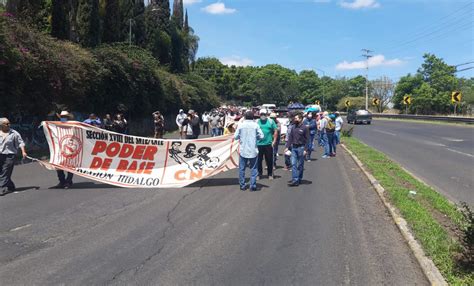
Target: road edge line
{"points": [[430, 270]]}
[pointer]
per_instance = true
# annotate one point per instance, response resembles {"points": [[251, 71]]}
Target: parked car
{"points": [[359, 116]]}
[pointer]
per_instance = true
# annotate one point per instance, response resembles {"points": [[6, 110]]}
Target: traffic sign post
{"points": [[347, 103], [376, 102], [406, 101], [456, 97]]}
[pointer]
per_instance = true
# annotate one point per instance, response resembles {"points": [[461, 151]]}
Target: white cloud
{"points": [[218, 8], [191, 2], [236, 61], [360, 4], [375, 61]]}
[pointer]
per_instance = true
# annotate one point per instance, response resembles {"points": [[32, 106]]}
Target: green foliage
{"points": [[112, 22], [42, 72], [356, 103], [88, 23], [309, 85], [178, 13], [431, 88], [59, 20]]}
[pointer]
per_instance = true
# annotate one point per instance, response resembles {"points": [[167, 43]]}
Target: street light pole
{"points": [[367, 56], [324, 74]]}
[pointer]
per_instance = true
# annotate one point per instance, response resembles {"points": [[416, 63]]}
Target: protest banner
{"points": [[136, 162]]}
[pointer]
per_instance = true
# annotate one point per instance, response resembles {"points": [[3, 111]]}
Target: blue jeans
{"points": [[297, 160], [214, 132], [310, 146], [331, 142], [252, 164], [338, 137], [320, 139], [275, 151], [325, 143]]}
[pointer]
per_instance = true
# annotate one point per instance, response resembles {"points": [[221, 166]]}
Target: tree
{"points": [[177, 49], [158, 31], [178, 15], [112, 22], [88, 23], [310, 86], [357, 86], [139, 29], [59, 20], [437, 73], [406, 85], [383, 89]]}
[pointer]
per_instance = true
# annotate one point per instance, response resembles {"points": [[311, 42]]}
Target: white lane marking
{"points": [[452, 139], [20, 227], [385, 132], [459, 152], [434, 144]]}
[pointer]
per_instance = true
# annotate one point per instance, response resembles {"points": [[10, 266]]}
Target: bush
{"points": [[39, 73]]}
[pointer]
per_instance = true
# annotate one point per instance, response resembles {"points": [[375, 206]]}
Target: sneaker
{"points": [[293, 184], [308, 160], [68, 185], [58, 186], [259, 178], [253, 189], [325, 157], [271, 178], [4, 191]]}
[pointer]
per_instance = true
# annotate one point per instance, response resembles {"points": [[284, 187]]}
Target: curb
{"points": [[429, 269]]}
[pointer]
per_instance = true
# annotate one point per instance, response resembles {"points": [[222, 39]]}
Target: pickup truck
{"points": [[359, 116]]}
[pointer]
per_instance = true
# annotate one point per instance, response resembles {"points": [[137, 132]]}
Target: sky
{"points": [[328, 36]]}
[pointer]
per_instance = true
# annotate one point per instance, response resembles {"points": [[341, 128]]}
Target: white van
{"points": [[268, 108]]}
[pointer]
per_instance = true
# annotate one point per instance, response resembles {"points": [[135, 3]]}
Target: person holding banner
{"points": [[248, 133], [65, 182], [10, 142]]}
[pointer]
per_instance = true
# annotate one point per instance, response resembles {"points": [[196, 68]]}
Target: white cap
{"points": [[64, 113]]}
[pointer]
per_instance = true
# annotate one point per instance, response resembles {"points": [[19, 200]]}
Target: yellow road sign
{"points": [[407, 100], [375, 101], [456, 96], [347, 103]]}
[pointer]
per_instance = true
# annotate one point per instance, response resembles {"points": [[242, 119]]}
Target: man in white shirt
{"points": [[205, 123], [323, 122], [179, 121]]}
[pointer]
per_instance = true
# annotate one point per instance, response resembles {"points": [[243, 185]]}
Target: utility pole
{"points": [[367, 56]]}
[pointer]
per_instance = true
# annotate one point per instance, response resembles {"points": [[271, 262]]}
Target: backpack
{"points": [[331, 127]]}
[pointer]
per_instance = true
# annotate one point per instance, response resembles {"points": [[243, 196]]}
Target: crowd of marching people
{"points": [[259, 138]]}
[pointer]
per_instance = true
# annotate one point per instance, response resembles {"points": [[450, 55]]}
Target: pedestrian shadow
{"points": [[220, 182], [306, 182], [89, 185], [22, 189]]}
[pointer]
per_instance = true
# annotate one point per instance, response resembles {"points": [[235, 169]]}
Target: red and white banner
{"points": [[136, 162]]}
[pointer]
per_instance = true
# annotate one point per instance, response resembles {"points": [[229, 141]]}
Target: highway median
{"points": [[439, 226]]}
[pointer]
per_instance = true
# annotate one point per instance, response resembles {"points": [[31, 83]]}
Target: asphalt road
{"points": [[332, 230], [441, 155]]}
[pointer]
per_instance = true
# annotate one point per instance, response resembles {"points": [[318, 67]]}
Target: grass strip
{"points": [[460, 124], [430, 216]]}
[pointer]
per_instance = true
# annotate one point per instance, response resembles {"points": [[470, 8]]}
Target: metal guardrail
{"points": [[469, 120]]}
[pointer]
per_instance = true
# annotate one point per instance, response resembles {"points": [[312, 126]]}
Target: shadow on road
{"points": [[91, 185]]}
